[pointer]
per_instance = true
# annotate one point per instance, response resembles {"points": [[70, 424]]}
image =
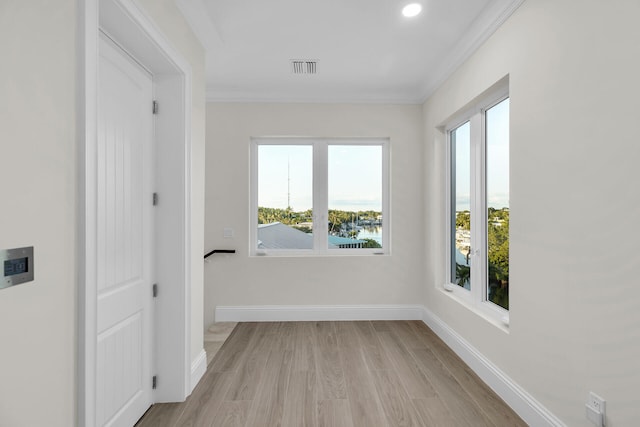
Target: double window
{"points": [[478, 205], [319, 196]]}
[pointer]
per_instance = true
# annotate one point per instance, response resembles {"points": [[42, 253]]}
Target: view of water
{"points": [[374, 233], [461, 259]]}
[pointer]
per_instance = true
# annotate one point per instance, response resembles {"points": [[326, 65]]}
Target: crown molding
{"points": [[482, 28], [197, 16], [221, 96]]}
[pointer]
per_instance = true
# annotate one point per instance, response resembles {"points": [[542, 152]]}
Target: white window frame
{"points": [[320, 196], [476, 298]]}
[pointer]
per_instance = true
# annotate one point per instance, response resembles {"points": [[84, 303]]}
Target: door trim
{"points": [[125, 22]]}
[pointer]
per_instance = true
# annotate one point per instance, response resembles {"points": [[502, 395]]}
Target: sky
{"points": [[497, 128], [354, 171], [355, 178]]}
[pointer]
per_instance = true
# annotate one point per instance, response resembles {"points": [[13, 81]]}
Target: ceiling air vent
{"points": [[303, 66]]}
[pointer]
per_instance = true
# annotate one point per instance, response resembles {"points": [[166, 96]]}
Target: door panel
{"points": [[124, 238], [119, 379]]}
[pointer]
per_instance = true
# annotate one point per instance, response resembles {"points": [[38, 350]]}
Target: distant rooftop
{"points": [[337, 241], [281, 236]]}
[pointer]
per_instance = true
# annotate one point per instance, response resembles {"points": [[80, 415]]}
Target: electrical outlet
{"points": [[596, 409]]}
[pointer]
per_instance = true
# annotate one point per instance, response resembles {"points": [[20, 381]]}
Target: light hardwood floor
{"points": [[215, 336], [341, 374]]}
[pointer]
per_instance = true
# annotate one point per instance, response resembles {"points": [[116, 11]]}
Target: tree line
{"points": [[498, 253], [336, 217]]}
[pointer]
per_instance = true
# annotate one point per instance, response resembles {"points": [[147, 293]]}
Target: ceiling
{"points": [[365, 50]]}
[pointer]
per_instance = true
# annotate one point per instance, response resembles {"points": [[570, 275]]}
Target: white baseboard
{"points": [[285, 313], [529, 409], [198, 368]]}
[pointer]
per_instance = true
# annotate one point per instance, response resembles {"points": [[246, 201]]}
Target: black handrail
{"points": [[220, 251]]}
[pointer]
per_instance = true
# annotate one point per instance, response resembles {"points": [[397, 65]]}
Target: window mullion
{"points": [[482, 208], [478, 241], [320, 196], [253, 220], [450, 209], [386, 197]]}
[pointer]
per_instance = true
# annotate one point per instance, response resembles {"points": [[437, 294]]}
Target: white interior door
{"points": [[124, 238]]}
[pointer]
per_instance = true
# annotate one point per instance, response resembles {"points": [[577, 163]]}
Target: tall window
{"points": [[479, 205], [319, 196]]}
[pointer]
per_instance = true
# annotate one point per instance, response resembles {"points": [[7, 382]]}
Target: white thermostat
{"points": [[17, 266]]}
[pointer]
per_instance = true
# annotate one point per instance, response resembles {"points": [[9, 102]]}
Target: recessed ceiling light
{"points": [[411, 10]]}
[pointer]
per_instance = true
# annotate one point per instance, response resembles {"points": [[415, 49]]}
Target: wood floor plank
{"points": [[493, 407], [285, 333], [232, 351], [456, 399], [396, 404], [364, 402], [325, 333], [245, 383], [334, 413], [415, 381], [205, 401], [163, 414], [433, 413], [374, 355], [304, 357], [347, 335], [404, 330], [301, 400], [331, 381], [268, 404], [366, 412], [423, 331], [231, 414], [381, 325], [212, 348]]}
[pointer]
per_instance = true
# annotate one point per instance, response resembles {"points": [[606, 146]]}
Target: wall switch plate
{"points": [[17, 266], [227, 232], [596, 409]]}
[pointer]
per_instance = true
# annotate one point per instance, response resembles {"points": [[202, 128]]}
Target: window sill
{"points": [[312, 254], [498, 317]]}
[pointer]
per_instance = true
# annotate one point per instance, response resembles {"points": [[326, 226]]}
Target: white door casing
{"points": [[125, 267], [126, 22]]}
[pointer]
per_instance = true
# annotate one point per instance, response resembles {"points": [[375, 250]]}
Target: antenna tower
{"points": [[288, 183]]}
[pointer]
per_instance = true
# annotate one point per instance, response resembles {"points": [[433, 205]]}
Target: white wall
{"points": [[170, 21], [575, 204], [38, 154], [38, 175], [241, 280]]}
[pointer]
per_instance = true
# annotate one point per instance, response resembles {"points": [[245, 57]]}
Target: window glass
{"points": [[285, 197], [355, 196], [497, 170], [460, 206]]}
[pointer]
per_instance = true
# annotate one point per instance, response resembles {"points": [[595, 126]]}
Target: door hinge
{"points": [[154, 382], [155, 107], [155, 290], [155, 199]]}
